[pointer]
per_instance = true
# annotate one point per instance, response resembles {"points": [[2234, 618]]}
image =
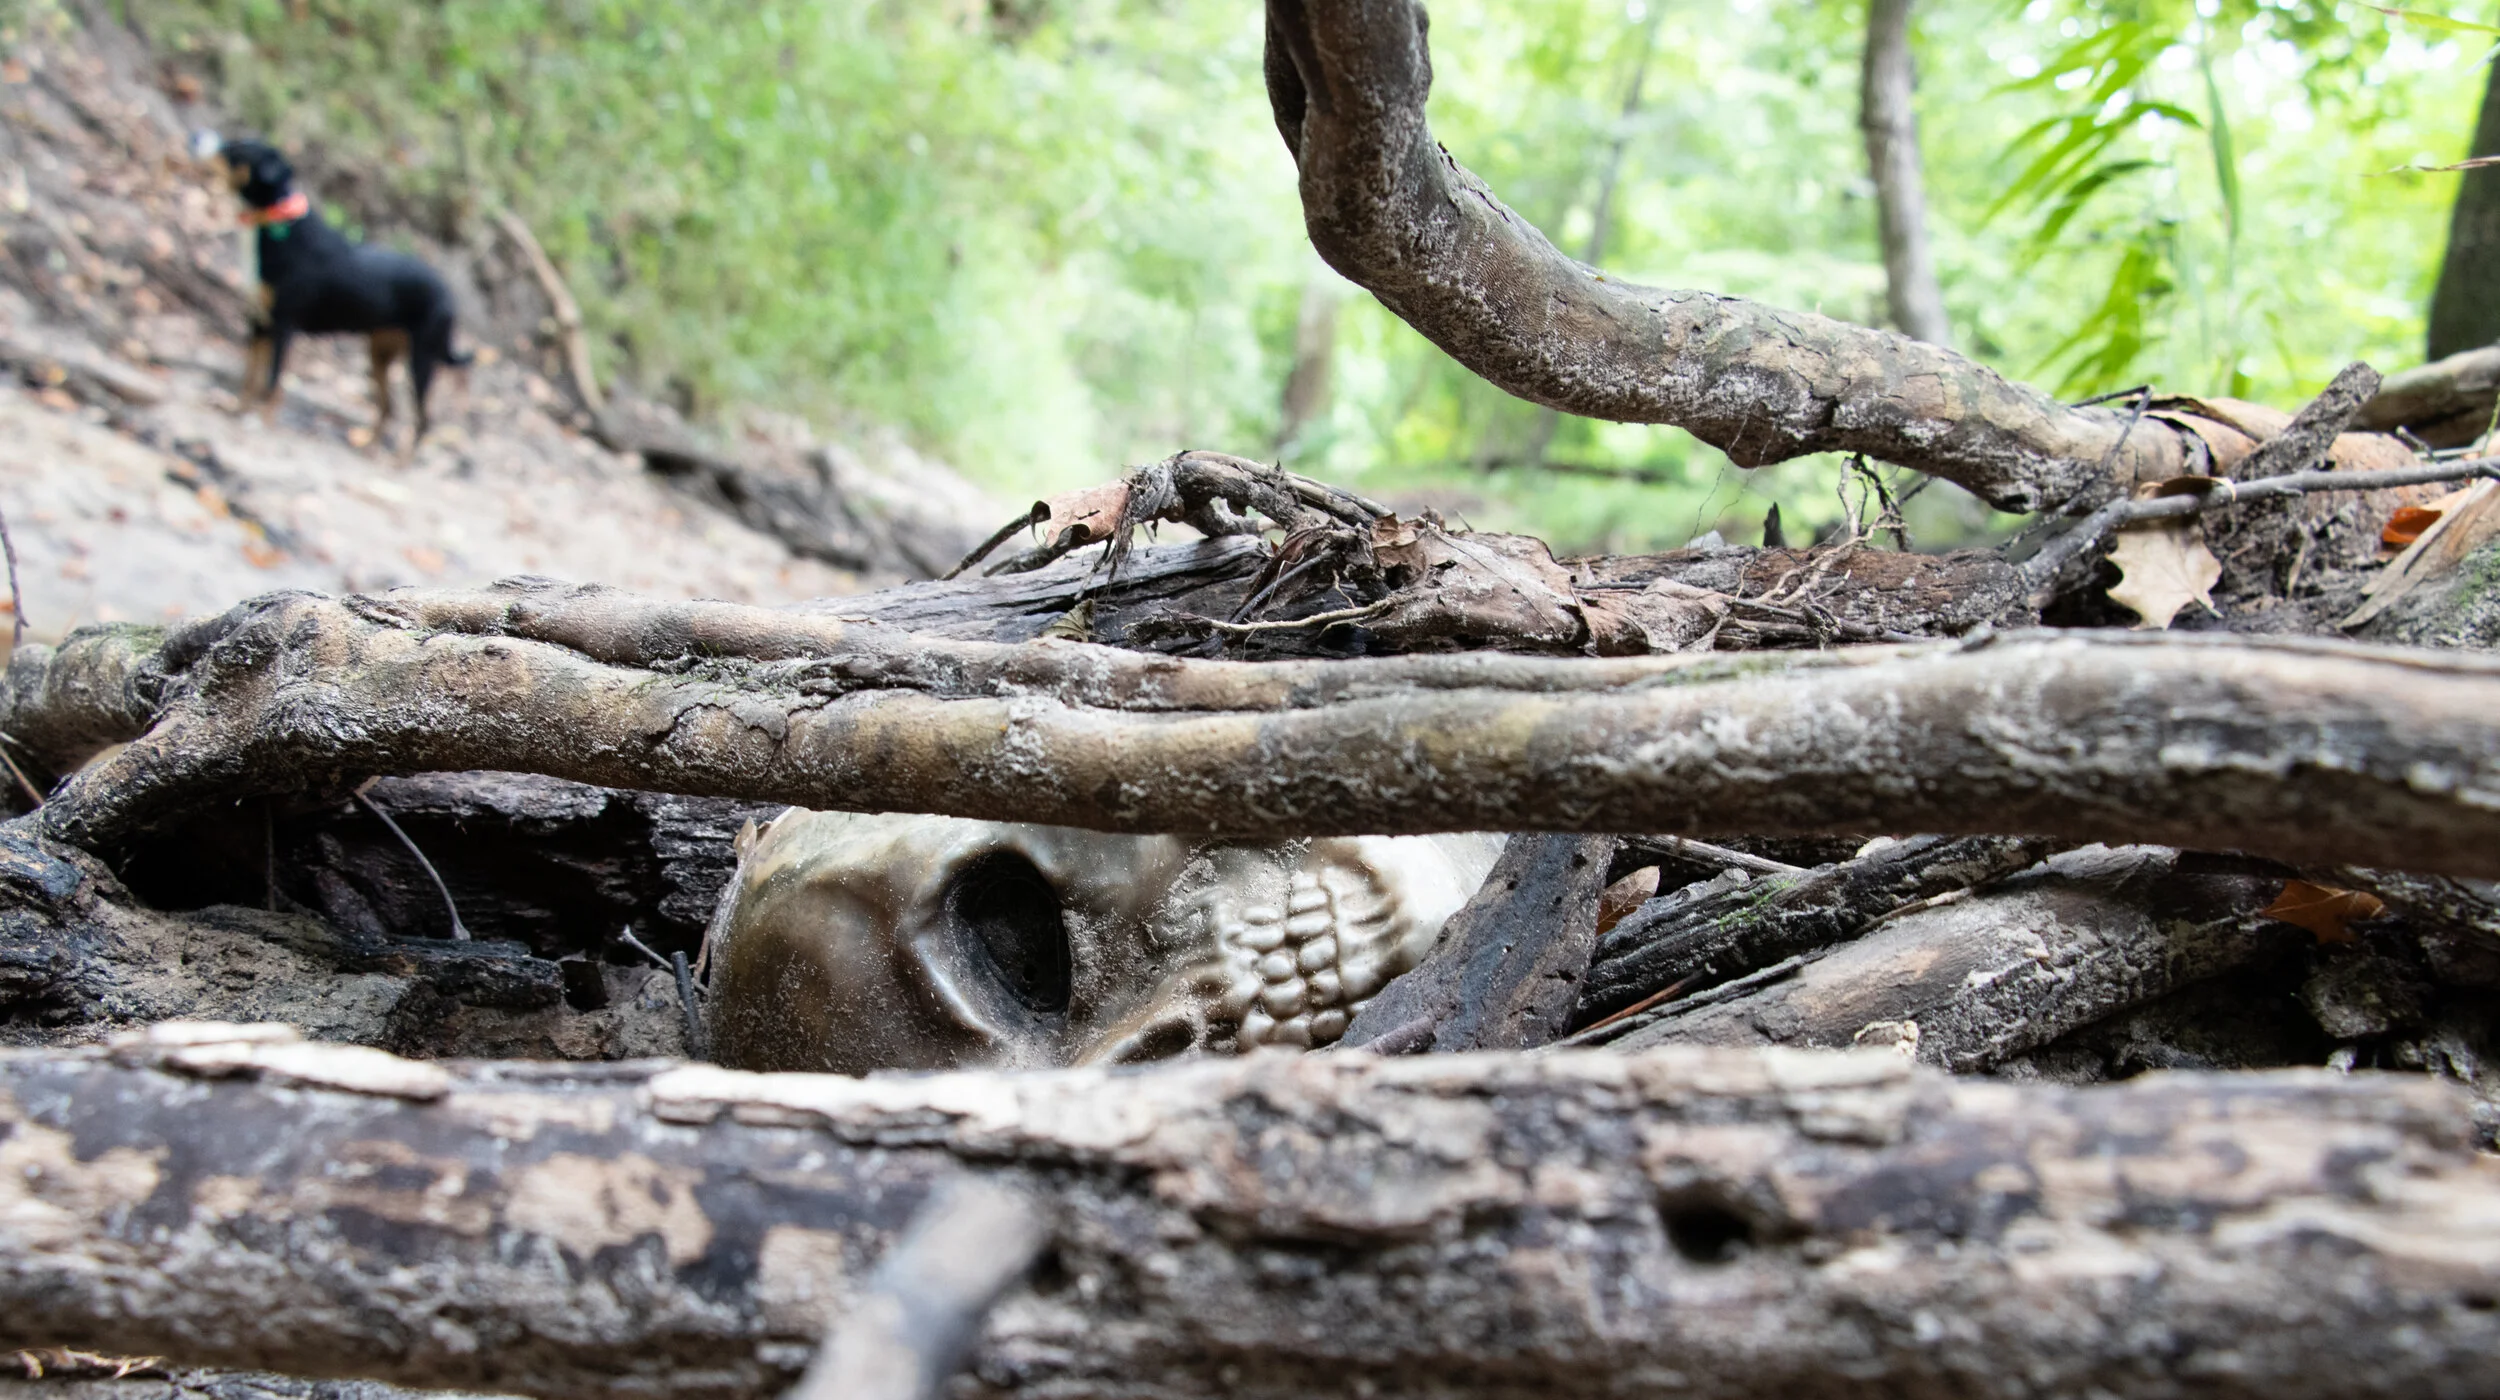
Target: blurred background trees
{"points": [[1046, 237]]}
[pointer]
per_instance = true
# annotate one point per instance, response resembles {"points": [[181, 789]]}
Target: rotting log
{"points": [[2307, 752], [1722, 1223]]}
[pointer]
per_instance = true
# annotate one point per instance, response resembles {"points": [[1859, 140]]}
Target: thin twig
{"points": [[17, 599], [1703, 853], [459, 930], [1242, 629], [628, 939], [1039, 513], [1665, 993], [25, 783], [696, 1048]]}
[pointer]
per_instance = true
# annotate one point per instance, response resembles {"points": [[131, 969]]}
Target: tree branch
{"points": [[1749, 1223], [1397, 214], [2311, 752]]}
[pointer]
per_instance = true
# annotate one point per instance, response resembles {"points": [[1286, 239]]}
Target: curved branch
{"points": [[1394, 212], [2315, 753]]}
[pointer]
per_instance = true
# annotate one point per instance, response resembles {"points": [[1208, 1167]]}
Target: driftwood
{"points": [[1726, 1223]]}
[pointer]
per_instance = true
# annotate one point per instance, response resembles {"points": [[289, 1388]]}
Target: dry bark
{"points": [[1725, 1223], [2309, 752]]}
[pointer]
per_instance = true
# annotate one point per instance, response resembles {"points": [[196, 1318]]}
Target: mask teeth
{"points": [[1285, 977]]}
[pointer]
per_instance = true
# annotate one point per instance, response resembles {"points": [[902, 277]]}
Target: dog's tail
{"points": [[438, 336]]}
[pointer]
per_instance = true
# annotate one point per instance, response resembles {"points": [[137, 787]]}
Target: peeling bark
{"points": [[2309, 752], [1726, 1223]]}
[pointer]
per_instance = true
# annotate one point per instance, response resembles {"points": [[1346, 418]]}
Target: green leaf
{"points": [[2431, 21]]}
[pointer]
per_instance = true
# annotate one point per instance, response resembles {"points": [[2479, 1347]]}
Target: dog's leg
{"points": [[420, 379], [279, 334], [255, 369], [383, 347]]}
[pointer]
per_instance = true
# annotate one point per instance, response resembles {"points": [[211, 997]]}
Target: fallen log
{"points": [[1725, 1223]]}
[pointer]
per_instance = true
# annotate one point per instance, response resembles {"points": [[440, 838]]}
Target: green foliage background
{"points": [[1048, 237]]}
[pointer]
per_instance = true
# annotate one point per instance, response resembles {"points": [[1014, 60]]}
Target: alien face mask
{"points": [[857, 942]]}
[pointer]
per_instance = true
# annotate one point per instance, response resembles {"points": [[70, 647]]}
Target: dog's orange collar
{"points": [[285, 211]]}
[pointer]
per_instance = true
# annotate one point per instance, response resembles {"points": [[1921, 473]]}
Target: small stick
{"points": [[628, 939], [1039, 513], [1703, 853], [24, 783], [923, 1310], [1326, 619], [459, 930], [17, 599], [1665, 993], [695, 1047]]}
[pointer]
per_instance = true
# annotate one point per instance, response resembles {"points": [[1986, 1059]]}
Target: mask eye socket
{"points": [[1007, 916]]}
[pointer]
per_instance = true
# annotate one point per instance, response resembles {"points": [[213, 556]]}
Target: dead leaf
{"points": [[2407, 525], [262, 556], [1617, 901], [2323, 909], [427, 560], [1094, 512], [2165, 563]]}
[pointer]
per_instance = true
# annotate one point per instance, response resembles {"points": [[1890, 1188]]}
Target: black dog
{"points": [[314, 280]]}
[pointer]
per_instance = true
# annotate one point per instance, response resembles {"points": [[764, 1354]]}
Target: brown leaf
{"points": [[2323, 909], [2165, 563], [1095, 511], [1617, 901]]}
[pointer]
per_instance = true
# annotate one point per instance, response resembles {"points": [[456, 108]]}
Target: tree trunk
{"points": [[1889, 115], [1722, 1223], [2465, 308], [1308, 384]]}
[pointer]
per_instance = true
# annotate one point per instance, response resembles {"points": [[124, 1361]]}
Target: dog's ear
{"points": [[271, 169]]}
